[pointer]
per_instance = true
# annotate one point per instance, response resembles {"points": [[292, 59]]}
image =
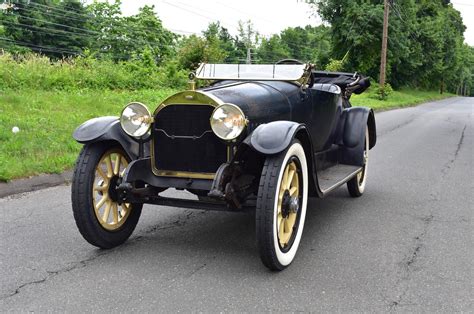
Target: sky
{"points": [[268, 16]]}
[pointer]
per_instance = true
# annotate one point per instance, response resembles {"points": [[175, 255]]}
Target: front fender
{"points": [[274, 137], [106, 129]]}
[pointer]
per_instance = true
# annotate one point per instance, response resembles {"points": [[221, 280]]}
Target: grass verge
{"points": [[398, 99], [47, 119]]}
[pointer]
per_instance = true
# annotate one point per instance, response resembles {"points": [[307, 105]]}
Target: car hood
{"points": [[261, 101]]}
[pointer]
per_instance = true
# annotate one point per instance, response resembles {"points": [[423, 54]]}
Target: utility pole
{"points": [[383, 59], [249, 56]]}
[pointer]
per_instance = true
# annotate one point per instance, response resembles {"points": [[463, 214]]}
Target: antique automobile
{"points": [[258, 138]]}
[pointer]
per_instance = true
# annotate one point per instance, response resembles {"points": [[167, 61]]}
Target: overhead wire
{"points": [[88, 16], [55, 8], [87, 32], [98, 34], [39, 47]]}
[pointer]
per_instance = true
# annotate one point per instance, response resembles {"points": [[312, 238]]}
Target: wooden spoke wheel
{"points": [[110, 213], [288, 203], [281, 206], [101, 218]]}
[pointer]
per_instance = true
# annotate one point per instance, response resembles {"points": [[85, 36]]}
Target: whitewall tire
{"points": [[281, 206]]}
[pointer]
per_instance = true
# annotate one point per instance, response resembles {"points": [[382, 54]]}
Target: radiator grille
{"points": [[184, 141]]}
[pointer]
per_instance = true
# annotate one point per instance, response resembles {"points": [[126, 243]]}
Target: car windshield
{"points": [[280, 72]]}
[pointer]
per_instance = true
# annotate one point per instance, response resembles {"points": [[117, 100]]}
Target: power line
{"points": [[41, 29], [135, 26], [195, 13], [45, 48], [98, 34], [57, 24], [55, 8], [396, 8], [45, 30], [243, 12], [52, 14]]}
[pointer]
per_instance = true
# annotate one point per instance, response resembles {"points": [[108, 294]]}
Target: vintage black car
{"points": [[262, 138]]}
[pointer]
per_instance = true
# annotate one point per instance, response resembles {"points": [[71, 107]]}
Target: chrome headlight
{"points": [[228, 121], [136, 119]]}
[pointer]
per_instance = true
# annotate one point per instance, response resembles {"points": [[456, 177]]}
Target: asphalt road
{"points": [[406, 245]]}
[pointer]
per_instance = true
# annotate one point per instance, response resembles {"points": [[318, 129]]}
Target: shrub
{"points": [[34, 71]]}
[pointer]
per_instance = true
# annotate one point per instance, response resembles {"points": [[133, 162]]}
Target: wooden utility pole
{"points": [[249, 56], [383, 59]]}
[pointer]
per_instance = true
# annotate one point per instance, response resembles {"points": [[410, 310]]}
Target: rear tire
{"points": [[281, 206], [101, 219], [356, 185]]}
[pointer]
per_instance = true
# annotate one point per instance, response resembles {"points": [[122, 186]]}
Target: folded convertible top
{"points": [[343, 80]]}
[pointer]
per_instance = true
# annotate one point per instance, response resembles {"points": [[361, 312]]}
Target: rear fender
{"points": [[355, 121], [106, 129]]}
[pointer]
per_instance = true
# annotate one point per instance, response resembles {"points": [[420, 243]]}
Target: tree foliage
{"points": [[426, 42], [426, 46]]}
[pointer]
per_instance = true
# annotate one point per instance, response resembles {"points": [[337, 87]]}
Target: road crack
{"points": [[54, 273], [181, 221], [398, 126], [410, 262], [450, 163]]}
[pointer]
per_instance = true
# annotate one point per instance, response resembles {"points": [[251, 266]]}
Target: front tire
{"points": [[281, 206], [100, 217]]}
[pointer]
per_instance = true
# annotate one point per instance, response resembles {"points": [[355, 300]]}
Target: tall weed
{"points": [[33, 71]]}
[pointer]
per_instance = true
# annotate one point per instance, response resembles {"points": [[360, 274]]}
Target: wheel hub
{"points": [[289, 204], [113, 185]]}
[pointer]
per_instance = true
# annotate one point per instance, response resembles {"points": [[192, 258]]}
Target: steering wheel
{"points": [[289, 61]]}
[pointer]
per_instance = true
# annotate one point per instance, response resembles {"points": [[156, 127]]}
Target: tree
{"points": [[247, 40], [53, 29], [272, 49], [194, 50], [425, 39], [122, 38]]}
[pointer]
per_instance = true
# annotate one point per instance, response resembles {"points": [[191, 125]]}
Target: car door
{"points": [[325, 115]]}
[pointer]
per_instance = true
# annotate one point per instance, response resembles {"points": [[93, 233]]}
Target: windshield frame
{"points": [[207, 71]]}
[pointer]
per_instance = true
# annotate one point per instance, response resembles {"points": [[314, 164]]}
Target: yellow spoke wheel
{"points": [[281, 206], [109, 212], [101, 218], [289, 192]]}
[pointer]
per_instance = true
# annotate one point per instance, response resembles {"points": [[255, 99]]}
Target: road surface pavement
{"points": [[406, 245]]}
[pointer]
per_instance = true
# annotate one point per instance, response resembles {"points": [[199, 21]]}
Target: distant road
{"points": [[406, 245]]}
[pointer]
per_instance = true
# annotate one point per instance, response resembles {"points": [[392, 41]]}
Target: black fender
{"points": [[106, 129], [355, 120], [274, 137]]}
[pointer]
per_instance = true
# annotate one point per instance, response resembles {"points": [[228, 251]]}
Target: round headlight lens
{"points": [[227, 121], [135, 119]]}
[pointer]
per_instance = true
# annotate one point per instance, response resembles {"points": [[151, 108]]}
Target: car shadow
{"points": [[192, 237]]}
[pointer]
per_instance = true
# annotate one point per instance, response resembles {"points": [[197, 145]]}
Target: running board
{"points": [[335, 176]]}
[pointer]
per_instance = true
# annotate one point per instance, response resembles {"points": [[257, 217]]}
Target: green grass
{"points": [[398, 99], [47, 119]]}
